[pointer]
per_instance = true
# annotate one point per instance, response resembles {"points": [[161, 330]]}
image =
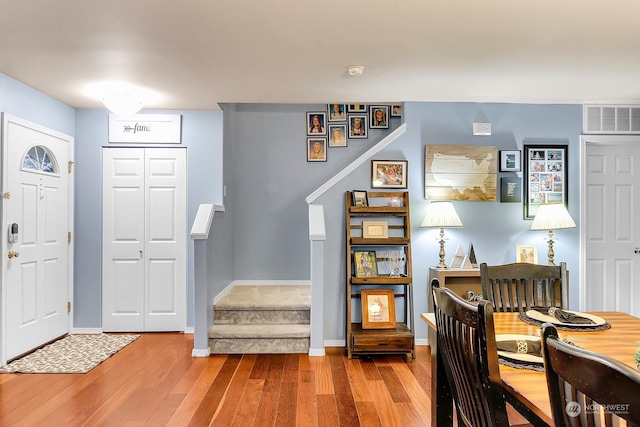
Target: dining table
{"points": [[526, 389]]}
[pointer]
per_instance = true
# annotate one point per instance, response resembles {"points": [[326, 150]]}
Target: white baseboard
{"points": [[189, 330], [85, 331], [335, 343], [423, 341], [200, 352], [317, 352]]}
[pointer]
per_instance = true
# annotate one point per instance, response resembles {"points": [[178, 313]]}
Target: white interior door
{"points": [[36, 261], [611, 233], [144, 239]]}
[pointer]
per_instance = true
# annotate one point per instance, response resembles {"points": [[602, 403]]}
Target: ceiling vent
{"points": [[611, 119]]}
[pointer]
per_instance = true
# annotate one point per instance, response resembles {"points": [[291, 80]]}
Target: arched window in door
{"points": [[39, 159]]}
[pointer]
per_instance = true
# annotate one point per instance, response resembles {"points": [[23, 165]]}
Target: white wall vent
{"points": [[611, 119]]}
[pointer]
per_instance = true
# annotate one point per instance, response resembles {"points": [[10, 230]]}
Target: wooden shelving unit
{"points": [[401, 338]]}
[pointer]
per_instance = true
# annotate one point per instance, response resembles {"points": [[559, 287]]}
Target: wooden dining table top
{"points": [[530, 387]]}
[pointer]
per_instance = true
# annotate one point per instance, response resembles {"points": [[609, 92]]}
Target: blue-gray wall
{"points": [[273, 179], [263, 232]]}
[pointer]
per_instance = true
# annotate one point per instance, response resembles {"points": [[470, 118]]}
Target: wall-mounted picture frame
{"points": [[396, 110], [359, 198], [545, 175], [527, 253], [337, 135], [378, 309], [357, 108], [316, 149], [366, 264], [510, 161], [316, 123], [358, 126], [375, 229], [337, 112], [510, 189], [389, 173], [378, 117]]}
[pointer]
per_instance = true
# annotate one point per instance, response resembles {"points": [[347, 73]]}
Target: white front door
{"points": [[144, 239], [611, 232], [36, 260]]}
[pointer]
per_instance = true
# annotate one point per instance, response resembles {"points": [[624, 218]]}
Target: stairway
{"points": [[262, 319]]}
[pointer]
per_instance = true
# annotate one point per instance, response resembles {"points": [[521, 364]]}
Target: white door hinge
{"points": [[70, 166]]}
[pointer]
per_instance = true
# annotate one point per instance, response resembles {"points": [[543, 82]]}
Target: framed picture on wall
{"points": [[389, 173], [379, 117], [337, 112], [358, 126], [527, 253], [357, 108], [316, 149], [396, 110], [545, 176], [509, 160], [316, 123], [337, 135]]}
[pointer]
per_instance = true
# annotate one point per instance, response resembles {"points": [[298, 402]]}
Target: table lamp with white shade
{"points": [[553, 216], [442, 215]]}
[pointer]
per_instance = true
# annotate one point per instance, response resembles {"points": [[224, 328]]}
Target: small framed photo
{"points": [[378, 117], [510, 161], [375, 229], [337, 135], [396, 110], [527, 253], [359, 198], [378, 309], [358, 126], [316, 123], [316, 149], [357, 108], [389, 173], [510, 190], [366, 264], [337, 112]]}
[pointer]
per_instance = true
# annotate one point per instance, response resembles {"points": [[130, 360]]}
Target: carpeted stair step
{"points": [[261, 339]]}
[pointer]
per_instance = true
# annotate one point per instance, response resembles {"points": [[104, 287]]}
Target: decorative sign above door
{"points": [[145, 128]]}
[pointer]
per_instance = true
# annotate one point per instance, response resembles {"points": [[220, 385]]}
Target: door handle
{"points": [[13, 254], [636, 251]]}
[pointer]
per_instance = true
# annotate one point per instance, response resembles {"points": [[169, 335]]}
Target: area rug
{"points": [[73, 354]]}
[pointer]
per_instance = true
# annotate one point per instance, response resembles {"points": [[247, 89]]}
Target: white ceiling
{"points": [[195, 54]]}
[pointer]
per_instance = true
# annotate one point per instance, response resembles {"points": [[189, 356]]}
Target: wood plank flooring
{"points": [[156, 382]]}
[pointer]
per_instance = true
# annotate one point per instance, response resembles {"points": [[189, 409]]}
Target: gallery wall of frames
{"points": [[340, 124]]}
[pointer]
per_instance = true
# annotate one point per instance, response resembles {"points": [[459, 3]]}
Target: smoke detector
{"points": [[355, 70]]}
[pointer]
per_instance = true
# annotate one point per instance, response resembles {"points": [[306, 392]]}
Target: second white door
{"points": [[144, 239]]}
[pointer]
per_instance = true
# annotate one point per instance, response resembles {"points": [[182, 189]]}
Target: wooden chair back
{"points": [[466, 342], [587, 388], [520, 286]]}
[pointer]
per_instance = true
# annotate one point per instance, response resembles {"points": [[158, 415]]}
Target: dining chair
{"points": [[520, 286], [466, 341], [587, 387]]}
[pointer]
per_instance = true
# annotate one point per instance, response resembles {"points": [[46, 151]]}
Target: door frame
{"points": [[612, 140], [7, 118]]}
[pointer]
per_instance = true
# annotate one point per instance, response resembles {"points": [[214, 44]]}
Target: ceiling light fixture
{"points": [[122, 103], [355, 70]]}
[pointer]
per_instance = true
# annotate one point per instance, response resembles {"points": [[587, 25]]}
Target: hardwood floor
{"points": [[156, 382]]}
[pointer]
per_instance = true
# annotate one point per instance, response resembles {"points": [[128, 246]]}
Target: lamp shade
{"points": [[552, 217], [441, 214]]}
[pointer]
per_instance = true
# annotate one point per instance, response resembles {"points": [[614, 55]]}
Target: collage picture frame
{"points": [[545, 175]]}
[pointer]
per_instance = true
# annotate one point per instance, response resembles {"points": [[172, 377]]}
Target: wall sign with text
{"points": [[145, 128]]}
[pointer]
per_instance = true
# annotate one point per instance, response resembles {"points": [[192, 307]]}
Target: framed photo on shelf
{"points": [[389, 173], [358, 126], [366, 264], [510, 161], [378, 309], [527, 253], [316, 149], [545, 177], [316, 123], [378, 117], [359, 198], [337, 112], [375, 229], [396, 110], [338, 135]]}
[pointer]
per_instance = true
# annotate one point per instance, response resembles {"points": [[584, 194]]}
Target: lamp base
{"points": [[441, 253]]}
